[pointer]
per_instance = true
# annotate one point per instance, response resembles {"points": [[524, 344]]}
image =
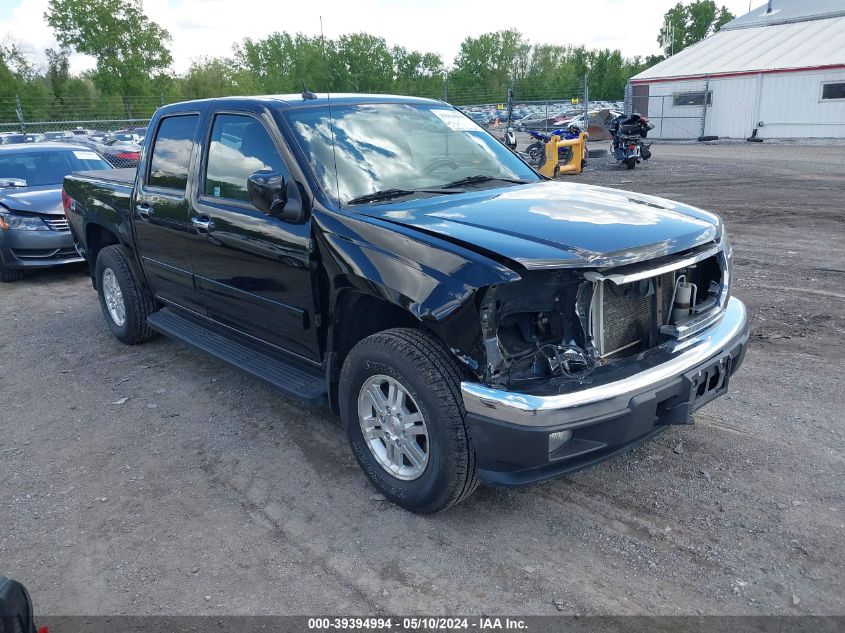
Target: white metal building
{"points": [[779, 70]]}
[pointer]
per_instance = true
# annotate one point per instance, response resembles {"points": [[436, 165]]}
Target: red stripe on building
{"points": [[742, 73]]}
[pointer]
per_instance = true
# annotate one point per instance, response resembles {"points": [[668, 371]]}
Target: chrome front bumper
{"points": [[606, 399]]}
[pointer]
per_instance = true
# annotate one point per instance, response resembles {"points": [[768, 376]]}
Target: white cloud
{"points": [[210, 27]]}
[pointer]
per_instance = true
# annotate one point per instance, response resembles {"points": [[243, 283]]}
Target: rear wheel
{"points": [[125, 304], [404, 418], [10, 274], [630, 163]]}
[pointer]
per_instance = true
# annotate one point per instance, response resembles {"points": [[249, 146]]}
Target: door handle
{"points": [[202, 223], [144, 210]]}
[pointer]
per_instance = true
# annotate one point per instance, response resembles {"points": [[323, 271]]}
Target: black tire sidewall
{"points": [[428, 489], [8, 274], [115, 260]]}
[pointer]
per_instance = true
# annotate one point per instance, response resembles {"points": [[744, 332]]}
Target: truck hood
{"points": [[45, 199], [557, 224]]}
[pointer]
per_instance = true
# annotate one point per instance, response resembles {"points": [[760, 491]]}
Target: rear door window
{"points": [[171, 157]]}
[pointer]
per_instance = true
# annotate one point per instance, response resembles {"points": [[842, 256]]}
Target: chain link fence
{"points": [[115, 127]]}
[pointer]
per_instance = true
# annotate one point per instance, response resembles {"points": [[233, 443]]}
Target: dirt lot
{"points": [[206, 493]]}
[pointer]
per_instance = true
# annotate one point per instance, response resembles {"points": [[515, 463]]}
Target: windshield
{"points": [[400, 147], [48, 167]]}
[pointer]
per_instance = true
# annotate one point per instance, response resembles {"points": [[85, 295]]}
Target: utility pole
{"points": [[19, 112], [510, 104], [586, 102]]}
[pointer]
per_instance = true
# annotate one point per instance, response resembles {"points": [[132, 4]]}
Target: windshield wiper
{"points": [[389, 194], [472, 180], [384, 194]]}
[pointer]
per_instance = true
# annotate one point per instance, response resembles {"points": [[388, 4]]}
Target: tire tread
{"points": [[137, 300], [443, 376], [10, 274]]}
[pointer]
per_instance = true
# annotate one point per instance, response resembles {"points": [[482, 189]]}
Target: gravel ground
{"points": [[152, 480]]}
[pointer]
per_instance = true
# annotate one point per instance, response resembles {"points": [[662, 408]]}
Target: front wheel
{"points": [[404, 417], [126, 305], [10, 274]]}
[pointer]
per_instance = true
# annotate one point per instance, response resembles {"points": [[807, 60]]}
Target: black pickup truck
{"points": [[386, 257]]}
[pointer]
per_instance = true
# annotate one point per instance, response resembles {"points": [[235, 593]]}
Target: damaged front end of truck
{"points": [[559, 327], [581, 364]]}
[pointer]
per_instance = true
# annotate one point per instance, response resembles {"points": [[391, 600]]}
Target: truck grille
{"points": [[624, 314]]}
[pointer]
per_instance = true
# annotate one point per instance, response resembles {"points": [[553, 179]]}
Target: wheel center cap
{"points": [[395, 426]]}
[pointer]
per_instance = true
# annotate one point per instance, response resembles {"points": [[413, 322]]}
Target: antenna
{"points": [[668, 36], [329, 105]]}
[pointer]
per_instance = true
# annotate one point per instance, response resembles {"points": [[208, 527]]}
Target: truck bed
{"points": [[101, 197], [116, 176]]}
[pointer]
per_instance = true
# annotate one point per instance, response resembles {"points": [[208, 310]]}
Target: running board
{"points": [[292, 377]]}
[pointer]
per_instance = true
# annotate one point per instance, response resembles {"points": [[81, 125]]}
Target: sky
{"points": [[206, 28]]}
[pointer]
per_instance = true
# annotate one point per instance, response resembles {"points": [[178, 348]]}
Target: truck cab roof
{"points": [[297, 101]]}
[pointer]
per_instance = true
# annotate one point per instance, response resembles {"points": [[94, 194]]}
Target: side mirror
{"points": [[266, 191], [270, 193]]}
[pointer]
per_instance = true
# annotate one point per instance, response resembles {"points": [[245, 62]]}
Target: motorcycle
{"points": [[536, 150], [628, 132]]}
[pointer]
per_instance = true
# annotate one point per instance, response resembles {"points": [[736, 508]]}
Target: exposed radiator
{"points": [[623, 314]]}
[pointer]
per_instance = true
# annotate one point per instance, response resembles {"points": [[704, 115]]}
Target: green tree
{"points": [[417, 73], [485, 65], [58, 69], [281, 63], [365, 63], [684, 25], [15, 59], [208, 77], [130, 49]]}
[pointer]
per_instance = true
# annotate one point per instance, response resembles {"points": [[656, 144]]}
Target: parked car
{"points": [[479, 117], [537, 121], [59, 136], [11, 138], [121, 154], [467, 318], [33, 228], [140, 132], [35, 138], [124, 136], [564, 117]]}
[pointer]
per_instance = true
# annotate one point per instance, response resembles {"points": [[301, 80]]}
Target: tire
{"points": [[630, 163], [10, 274], [112, 266], [423, 366], [534, 150]]}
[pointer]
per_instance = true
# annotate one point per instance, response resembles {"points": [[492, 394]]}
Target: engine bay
{"points": [[564, 323]]}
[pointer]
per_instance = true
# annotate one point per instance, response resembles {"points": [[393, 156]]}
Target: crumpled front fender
{"points": [[434, 280]]}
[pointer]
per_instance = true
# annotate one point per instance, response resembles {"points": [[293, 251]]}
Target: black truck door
{"points": [[253, 270], [161, 214]]}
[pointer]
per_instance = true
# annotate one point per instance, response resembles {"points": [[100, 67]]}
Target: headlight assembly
{"points": [[13, 222]]}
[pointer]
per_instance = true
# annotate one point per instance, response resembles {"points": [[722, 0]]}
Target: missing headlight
{"points": [[559, 360], [533, 329]]}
